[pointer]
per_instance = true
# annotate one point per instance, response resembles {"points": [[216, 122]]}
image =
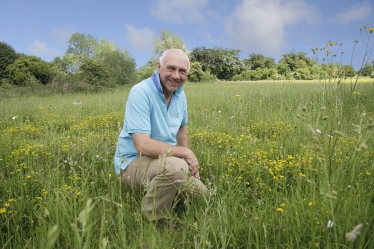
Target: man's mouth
{"points": [[173, 82]]}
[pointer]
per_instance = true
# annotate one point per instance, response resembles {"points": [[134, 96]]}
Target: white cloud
{"points": [[40, 49], [142, 38], [261, 24], [62, 35], [180, 11], [358, 12]]}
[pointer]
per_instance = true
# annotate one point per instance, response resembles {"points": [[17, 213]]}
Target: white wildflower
{"points": [[330, 224], [14, 117], [319, 131], [352, 235]]}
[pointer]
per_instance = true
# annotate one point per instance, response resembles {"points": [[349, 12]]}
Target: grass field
{"points": [[289, 165]]}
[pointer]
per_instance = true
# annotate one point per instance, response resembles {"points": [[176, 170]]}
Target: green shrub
{"points": [[208, 76], [120, 65], [303, 74], [29, 65], [95, 73], [31, 81], [5, 84], [196, 73], [145, 72]]}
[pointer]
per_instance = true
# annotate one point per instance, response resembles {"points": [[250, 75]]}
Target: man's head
{"points": [[173, 68]]}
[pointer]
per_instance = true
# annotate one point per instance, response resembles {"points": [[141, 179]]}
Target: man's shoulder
{"points": [[143, 86]]}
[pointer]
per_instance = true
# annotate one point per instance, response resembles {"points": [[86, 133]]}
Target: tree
{"points": [[270, 63], [367, 69], [259, 61], [94, 72], [80, 47], [29, 66], [85, 53], [7, 57], [167, 41], [289, 65], [295, 61], [222, 63], [119, 63], [284, 70]]}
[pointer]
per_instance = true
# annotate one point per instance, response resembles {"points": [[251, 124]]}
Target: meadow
{"points": [[288, 165]]}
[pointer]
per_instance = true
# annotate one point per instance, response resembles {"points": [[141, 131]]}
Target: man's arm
{"points": [[182, 137], [147, 146]]}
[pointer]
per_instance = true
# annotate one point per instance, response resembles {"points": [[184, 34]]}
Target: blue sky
{"points": [[269, 27]]}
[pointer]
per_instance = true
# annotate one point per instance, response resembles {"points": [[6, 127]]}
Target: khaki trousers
{"points": [[162, 178]]}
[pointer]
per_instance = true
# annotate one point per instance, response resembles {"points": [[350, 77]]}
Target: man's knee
{"points": [[177, 167]]}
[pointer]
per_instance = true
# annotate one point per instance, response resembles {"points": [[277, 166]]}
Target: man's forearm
{"points": [[182, 137], [147, 146]]}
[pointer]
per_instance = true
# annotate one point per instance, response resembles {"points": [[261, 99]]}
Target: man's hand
{"points": [[149, 147], [193, 162]]}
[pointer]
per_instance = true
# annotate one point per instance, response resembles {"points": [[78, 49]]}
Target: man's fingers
{"points": [[194, 170], [193, 163], [197, 175]]}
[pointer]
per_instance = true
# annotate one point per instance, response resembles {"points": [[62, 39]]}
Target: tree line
{"points": [[89, 62]]}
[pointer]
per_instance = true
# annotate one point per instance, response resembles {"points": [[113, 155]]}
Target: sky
{"points": [[269, 27]]}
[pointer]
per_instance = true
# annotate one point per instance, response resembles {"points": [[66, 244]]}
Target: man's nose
{"points": [[175, 74]]}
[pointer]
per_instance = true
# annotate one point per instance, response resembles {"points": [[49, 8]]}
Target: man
{"points": [[152, 151]]}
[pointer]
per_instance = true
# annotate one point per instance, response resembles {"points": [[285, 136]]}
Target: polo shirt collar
{"points": [[156, 81]]}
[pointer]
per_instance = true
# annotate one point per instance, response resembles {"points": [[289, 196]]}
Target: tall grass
{"points": [[289, 165]]}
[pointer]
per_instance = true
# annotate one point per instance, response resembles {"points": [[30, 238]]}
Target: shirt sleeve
{"points": [[185, 116], [137, 113]]}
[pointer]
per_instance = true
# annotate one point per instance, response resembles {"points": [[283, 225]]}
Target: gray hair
{"points": [[162, 57]]}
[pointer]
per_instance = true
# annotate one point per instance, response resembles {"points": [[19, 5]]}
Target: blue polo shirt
{"points": [[147, 113]]}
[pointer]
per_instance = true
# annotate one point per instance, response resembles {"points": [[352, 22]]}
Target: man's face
{"points": [[173, 71]]}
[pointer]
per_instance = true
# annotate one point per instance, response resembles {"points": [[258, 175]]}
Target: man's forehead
{"points": [[176, 62]]}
